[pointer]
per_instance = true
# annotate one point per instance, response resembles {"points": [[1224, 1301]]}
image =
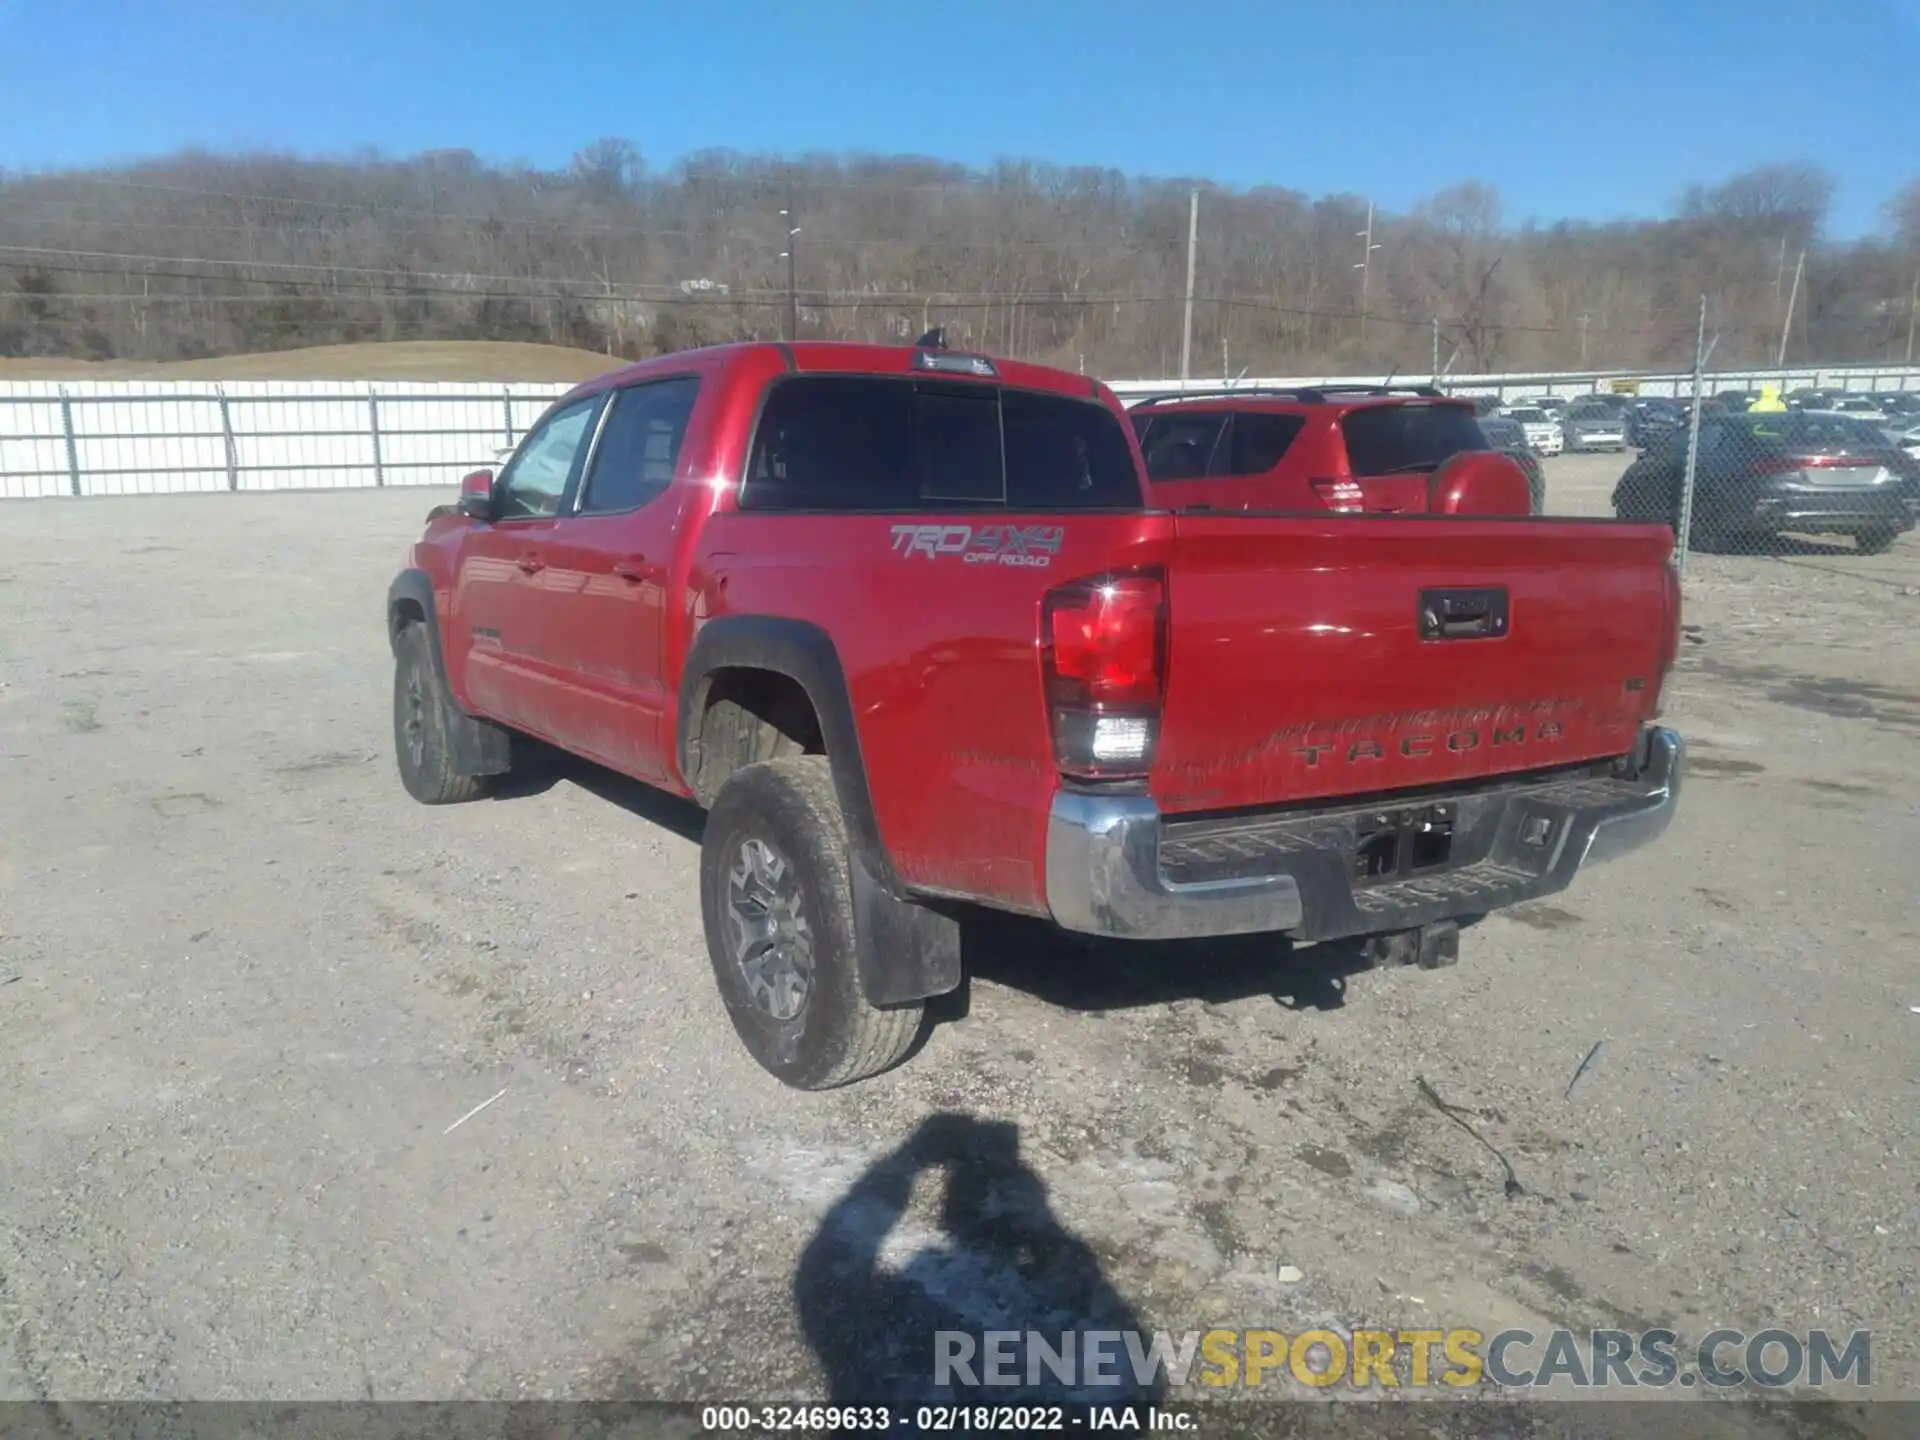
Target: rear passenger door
{"points": [[1223, 460], [610, 565]]}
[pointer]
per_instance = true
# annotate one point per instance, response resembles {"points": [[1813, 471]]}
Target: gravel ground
{"points": [[252, 997]]}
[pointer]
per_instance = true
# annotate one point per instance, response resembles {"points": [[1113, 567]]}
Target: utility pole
{"points": [[1793, 295], [1913, 303], [1365, 267], [1436, 350], [793, 292], [1193, 244], [1780, 275], [1583, 317]]}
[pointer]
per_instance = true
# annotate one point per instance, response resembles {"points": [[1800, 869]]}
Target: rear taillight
{"points": [[1342, 495], [1103, 651]]}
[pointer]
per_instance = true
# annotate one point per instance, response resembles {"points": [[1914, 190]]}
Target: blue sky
{"points": [[1593, 110]]}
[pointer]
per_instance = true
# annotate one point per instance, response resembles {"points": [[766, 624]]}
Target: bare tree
{"points": [[198, 254]]}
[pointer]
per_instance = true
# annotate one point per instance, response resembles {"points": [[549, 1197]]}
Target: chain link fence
{"points": [[1816, 475]]}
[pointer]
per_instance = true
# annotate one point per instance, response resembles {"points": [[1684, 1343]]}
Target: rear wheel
{"points": [[1876, 540], [421, 722], [1706, 538], [778, 905]]}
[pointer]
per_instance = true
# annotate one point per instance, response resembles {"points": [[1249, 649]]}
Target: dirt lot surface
{"points": [[252, 1000], [400, 360]]}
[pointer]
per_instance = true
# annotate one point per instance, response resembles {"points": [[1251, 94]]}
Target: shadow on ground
{"points": [[538, 767], [897, 1289], [1081, 973], [1071, 971]]}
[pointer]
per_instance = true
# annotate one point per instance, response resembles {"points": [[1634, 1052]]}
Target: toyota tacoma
{"points": [[923, 638]]}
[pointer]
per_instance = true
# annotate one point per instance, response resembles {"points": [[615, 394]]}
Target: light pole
{"points": [[1786, 325], [1913, 304], [1186, 321], [1365, 266], [793, 294]]}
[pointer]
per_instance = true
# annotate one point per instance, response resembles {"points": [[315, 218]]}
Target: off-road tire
{"points": [[836, 1037], [422, 716]]}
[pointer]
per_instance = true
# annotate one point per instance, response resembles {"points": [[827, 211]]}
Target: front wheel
{"points": [[777, 900], [422, 720]]}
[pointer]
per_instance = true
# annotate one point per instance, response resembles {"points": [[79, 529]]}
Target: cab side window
{"points": [[639, 446], [535, 480]]}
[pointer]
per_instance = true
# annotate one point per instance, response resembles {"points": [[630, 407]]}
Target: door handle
{"points": [[632, 569], [531, 564]]}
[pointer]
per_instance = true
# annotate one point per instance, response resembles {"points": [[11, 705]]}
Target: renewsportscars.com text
{"points": [[1413, 1359]]}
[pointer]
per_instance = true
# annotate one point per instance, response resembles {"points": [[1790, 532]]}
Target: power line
{"points": [[595, 291], [564, 227]]}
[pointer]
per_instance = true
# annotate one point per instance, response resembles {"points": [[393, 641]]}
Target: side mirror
{"points": [[476, 496]]}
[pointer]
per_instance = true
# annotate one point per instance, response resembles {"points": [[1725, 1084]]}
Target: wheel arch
{"points": [[908, 950], [799, 652]]}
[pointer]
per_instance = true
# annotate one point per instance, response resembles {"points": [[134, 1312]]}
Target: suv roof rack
{"points": [[1304, 394]]}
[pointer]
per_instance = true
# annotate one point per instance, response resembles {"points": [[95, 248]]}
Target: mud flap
{"points": [[907, 952], [479, 747]]}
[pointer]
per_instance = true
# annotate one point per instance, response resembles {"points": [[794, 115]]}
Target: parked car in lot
{"points": [[1898, 402], [1652, 420], [1345, 448], [1509, 437], [1735, 402], [923, 639], [1589, 425], [1542, 433], [1759, 476], [1809, 397]]}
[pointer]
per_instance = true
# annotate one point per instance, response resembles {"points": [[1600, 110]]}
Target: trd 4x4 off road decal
{"points": [[1030, 547]]}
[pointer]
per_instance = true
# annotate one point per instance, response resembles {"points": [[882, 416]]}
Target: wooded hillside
{"points": [[197, 255]]}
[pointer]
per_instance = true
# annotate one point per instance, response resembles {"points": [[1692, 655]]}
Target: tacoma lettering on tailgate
{"points": [[1028, 546]]}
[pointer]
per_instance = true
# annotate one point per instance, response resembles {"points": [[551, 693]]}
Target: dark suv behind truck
{"points": [[1770, 473]]}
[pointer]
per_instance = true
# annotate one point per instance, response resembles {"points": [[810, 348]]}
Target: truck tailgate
{"points": [[1311, 658]]}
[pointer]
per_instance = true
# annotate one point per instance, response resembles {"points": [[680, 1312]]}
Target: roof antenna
{"points": [[934, 339]]}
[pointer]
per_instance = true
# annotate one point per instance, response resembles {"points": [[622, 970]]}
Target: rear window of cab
{"points": [[863, 442]]}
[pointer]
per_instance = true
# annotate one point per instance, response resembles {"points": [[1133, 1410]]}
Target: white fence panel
{"points": [[143, 437], [151, 443], [130, 437], [302, 439], [33, 446]]}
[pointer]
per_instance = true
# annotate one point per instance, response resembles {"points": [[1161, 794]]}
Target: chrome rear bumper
{"points": [[1117, 867]]}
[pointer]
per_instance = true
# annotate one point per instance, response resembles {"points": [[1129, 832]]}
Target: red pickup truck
{"points": [[920, 634]]}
